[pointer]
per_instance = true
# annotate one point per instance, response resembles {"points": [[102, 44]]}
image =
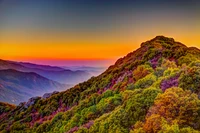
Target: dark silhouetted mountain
{"points": [[16, 86], [155, 88]]}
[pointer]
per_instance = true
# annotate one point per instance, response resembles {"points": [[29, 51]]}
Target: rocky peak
{"points": [[30, 102], [47, 95]]}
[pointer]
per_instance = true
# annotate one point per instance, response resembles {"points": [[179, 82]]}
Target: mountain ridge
{"points": [[16, 86], [153, 89], [58, 74]]}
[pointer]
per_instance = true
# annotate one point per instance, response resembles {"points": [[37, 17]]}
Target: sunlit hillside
{"points": [[155, 88]]}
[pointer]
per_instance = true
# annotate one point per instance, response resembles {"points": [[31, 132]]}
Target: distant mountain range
{"points": [[16, 86], [20, 81], [95, 71], [58, 74]]}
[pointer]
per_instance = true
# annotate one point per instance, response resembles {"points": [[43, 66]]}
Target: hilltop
{"points": [[155, 88]]}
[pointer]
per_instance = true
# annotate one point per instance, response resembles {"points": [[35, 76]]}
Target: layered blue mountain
{"points": [[94, 71], [58, 74], [20, 81], [16, 86]]}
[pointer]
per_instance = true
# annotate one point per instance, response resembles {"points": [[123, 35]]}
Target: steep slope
{"points": [[54, 73], [5, 107], [16, 87], [153, 89]]}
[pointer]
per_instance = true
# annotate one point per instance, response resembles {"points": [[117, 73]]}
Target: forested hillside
{"points": [[153, 89]]}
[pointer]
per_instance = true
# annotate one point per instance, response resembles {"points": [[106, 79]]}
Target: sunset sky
{"points": [[91, 32]]}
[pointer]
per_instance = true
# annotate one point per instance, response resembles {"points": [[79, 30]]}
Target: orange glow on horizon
{"points": [[85, 50], [108, 47], [61, 35], [75, 51]]}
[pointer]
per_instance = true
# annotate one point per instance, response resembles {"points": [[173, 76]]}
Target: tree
{"points": [[141, 71], [174, 105], [190, 79]]}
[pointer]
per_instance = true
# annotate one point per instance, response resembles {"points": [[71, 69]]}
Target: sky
{"points": [[91, 32]]}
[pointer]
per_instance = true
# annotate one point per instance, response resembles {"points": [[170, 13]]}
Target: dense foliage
{"points": [[153, 89]]}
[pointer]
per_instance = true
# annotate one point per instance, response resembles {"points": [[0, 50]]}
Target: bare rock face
{"points": [[31, 101], [47, 95]]}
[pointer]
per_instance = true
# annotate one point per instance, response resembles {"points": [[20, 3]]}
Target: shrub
{"points": [[145, 82], [141, 71], [174, 105], [190, 79]]}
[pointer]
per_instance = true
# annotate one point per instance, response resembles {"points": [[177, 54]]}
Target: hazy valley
{"points": [[20, 81]]}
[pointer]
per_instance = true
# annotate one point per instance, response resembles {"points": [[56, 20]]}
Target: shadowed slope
{"points": [[16, 87]]}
